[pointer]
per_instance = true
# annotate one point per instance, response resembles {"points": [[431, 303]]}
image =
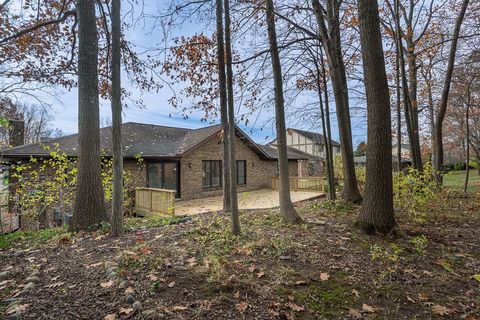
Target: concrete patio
{"points": [[258, 199]]}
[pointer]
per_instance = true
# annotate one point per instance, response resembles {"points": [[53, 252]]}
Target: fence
{"points": [[301, 184], [155, 201]]}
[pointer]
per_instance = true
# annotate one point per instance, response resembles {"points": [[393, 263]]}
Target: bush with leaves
{"points": [[338, 172], [43, 184], [414, 191]]}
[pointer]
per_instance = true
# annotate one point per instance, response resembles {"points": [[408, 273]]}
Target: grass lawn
{"points": [[456, 180]]}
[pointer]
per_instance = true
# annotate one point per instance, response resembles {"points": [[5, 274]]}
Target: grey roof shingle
{"points": [[147, 140]]}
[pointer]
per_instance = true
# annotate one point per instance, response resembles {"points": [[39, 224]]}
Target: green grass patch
{"points": [[456, 180], [326, 299], [150, 221], [29, 238]]}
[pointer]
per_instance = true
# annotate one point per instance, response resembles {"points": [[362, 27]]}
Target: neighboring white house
{"points": [[311, 144]]}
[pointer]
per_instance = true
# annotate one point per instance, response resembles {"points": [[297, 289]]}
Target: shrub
{"points": [[45, 183], [415, 191], [338, 172]]}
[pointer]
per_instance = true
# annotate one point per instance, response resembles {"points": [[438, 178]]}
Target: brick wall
{"points": [[259, 172]]}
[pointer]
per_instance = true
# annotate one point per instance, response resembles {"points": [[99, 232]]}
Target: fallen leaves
{"points": [[354, 313], [179, 308], [324, 276], [129, 290], [55, 285], [367, 308], [152, 277], [356, 293], [171, 284], [127, 311], [93, 265], [295, 307], [19, 308], [441, 310], [110, 317], [107, 284], [241, 307]]}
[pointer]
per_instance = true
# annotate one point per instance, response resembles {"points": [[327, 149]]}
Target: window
{"points": [[241, 172], [155, 175], [212, 173]]}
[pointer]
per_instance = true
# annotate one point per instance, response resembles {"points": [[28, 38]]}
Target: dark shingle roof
{"points": [[317, 137], [146, 140], [293, 154]]}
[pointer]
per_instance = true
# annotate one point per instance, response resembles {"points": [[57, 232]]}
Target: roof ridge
{"points": [[154, 125]]}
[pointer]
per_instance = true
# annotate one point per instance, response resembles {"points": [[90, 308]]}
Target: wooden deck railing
{"points": [[155, 201], [302, 184]]}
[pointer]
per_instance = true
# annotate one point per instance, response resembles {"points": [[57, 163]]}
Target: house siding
{"points": [[259, 172]]}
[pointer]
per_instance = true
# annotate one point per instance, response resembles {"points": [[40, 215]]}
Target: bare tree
{"points": [[89, 207], [117, 190], [442, 110], [222, 88], [286, 206], [376, 214], [329, 33], [231, 123]]}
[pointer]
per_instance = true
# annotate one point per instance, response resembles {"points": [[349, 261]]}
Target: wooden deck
{"points": [[302, 184], [155, 201]]}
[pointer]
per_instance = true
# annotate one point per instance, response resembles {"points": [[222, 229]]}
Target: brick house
{"points": [[188, 161]]}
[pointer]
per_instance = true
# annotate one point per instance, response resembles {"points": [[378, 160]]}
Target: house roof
{"points": [[293, 154], [147, 140], [314, 136]]}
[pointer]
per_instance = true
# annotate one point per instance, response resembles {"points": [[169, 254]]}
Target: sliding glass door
{"points": [[164, 175]]}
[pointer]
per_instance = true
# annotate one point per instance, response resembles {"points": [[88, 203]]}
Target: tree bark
{"points": [[89, 207], [117, 190], [331, 175], [326, 136], [407, 103], [331, 41], [467, 134], [445, 92], [222, 87], [398, 97], [286, 206], [231, 124], [376, 214]]}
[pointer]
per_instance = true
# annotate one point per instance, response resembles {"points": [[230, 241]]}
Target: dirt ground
{"points": [[257, 199], [195, 269]]}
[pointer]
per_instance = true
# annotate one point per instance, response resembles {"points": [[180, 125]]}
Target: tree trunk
{"points": [[413, 93], [445, 92], [222, 87], [231, 124], [89, 207], [331, 42], [398, 96], [331, 174], [467, 134], [326, 138], [407, 104], [376, 214], [286, 206], [117, 191]]}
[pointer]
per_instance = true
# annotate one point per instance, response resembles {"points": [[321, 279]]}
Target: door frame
{"points": [[162, 162]]}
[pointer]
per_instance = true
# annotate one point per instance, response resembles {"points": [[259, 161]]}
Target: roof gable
{"points": [[314, 136]]}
